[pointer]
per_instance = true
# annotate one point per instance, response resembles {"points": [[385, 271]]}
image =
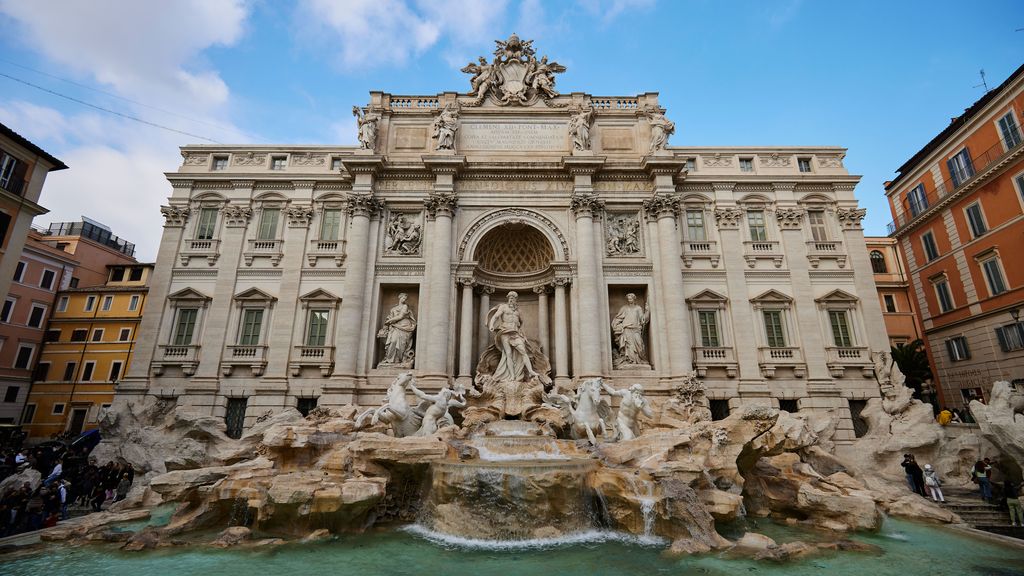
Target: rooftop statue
{"points": [[367, 127], [514, 76]]}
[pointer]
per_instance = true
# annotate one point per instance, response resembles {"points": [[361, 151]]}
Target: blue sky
{"points": [[880, 78]]}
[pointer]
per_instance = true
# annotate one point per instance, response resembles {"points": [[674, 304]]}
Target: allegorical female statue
{"points": [[397, 334], [628, 328], [445, 127]]}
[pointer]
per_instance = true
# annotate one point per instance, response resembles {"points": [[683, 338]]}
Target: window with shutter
{"points": [[960, 167]]}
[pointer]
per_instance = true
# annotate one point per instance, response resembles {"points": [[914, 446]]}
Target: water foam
{"points": [[586, 537]]}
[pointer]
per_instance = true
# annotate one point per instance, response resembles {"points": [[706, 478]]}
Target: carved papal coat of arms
{"points": [[514, 75]]}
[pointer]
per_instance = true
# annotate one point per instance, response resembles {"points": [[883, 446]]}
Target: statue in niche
{"points": [[623, 234], [628, 330], [579, 129], [436, 415], [661, 129], [367, 127], [511, 374], [396, 411], [505, 322], [397, 332], [632, 405], [445, 127], [403, 236]]}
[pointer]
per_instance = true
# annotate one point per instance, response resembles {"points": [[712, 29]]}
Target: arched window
{"points": [[878, 262]]}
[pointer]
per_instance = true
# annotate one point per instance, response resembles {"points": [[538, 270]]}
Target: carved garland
{"points": [[513, 216], [194, 159]]}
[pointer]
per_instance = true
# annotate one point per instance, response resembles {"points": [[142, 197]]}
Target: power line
{"points": [[107, 110], [129, 100]]}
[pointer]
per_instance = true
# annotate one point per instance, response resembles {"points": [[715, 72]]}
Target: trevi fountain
{"points": [[600, 460]]}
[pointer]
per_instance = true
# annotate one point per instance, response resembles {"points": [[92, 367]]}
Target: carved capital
{"points": [[542, 289], [586, 205], [440, 204], [236, 216], [662, 206], [466, 281], [174, 216], [485, 289], [728, 218], [299, 216], [790, 218], [850, 218], [561, 281], [364, 205]]}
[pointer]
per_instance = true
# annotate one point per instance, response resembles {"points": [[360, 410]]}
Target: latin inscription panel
{"points": [[513, 137]]}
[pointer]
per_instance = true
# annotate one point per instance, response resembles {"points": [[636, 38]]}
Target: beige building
{"points": [[280, 270]]}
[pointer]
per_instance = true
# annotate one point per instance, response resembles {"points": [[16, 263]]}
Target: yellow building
{"points": [[87, 349]]}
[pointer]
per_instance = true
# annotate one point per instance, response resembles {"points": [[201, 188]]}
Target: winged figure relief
{"points": [[483, 76], [541, 76]]}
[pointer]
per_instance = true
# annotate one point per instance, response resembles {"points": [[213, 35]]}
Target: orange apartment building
{"points": [[40, 272], [894, 295], [23, 169], [958, 208]]}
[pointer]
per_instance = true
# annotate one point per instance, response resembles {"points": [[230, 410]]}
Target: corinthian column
{"points": [[585, 207], [561, 334], [350, 318], [466, 331], [483, 334], [680, 356], [441, 209], [542, 319]]}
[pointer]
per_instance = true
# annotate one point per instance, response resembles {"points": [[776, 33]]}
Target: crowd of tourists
{"points": [[69, 485], [925, 481]]}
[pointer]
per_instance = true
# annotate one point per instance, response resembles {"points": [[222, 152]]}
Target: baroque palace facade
{"points": [[313, 275]]}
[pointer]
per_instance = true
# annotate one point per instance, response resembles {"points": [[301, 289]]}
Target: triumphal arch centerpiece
{"points": [[510, 240]]}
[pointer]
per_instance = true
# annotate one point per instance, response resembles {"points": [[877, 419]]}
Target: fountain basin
{"points": [[513, 500]]}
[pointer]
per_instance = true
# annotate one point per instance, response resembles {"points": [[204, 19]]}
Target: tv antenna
{"points": [[983, 82]]}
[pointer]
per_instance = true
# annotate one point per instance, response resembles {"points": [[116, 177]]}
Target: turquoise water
{"points": [[910, 549]]}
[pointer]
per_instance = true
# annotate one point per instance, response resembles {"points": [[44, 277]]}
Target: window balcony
{"points": [[840, 358], [701, 249], [762, 250], [209, 249], [255, 357], [771, 359], [321, 357], [334, 249], [272, 249], [705, 358], [828, 250], [185, 357]]}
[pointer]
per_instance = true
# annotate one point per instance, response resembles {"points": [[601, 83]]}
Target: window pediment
{"points": [[255, 296], [319, 296], [189, 295], [837, 296], [772, 297], [707, 297]]}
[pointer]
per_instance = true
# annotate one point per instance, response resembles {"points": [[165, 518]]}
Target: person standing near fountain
{"points": [[505, 322]]}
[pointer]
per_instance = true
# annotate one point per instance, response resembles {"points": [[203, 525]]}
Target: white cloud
{"points": [[150, 52], [608, 10], [373, 32], [141, 49]]}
